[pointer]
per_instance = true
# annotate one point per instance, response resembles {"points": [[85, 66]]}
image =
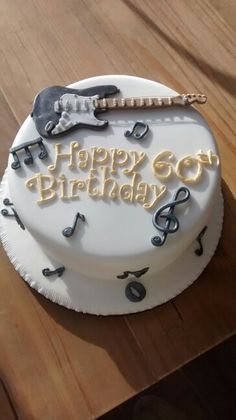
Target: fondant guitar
{"points": [[58, 110]]}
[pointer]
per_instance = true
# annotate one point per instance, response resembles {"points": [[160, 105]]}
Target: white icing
{"points": [[117, 233]]}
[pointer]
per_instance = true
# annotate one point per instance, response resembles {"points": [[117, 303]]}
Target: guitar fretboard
{"points": [[149, 102]]}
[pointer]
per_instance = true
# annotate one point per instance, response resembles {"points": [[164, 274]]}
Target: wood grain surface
{"points": [[56, 364]]}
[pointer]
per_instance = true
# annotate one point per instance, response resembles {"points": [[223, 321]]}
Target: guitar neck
{"points": [[149, 102]]}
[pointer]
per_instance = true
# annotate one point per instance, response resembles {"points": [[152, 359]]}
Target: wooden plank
{"points": [[204, 389], [7, 412]]}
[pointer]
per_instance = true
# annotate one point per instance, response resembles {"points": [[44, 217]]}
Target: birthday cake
{"points": [[111, 201]]}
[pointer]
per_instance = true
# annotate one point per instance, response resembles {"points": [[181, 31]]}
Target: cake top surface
{"points": [[107, 186]]}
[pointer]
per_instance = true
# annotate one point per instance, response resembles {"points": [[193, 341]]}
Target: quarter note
{"points": [[29, 160], [199, 251], [171, 222], [14, 214], [68, 231]]}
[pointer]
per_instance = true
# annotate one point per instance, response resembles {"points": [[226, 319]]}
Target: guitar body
{"points": [[55, 109]]}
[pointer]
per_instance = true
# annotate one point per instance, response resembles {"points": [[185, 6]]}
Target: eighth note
{"points": [[68, 231], [138, 131], [29, 160]]}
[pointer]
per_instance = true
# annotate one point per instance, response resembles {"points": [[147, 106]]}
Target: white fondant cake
{"points": [[118, 215]]}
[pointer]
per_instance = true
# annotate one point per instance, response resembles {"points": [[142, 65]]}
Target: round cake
{"points": [[111, 201]]}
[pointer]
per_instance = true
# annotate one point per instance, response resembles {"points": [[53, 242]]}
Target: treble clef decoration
{"points": [[171, 222]]}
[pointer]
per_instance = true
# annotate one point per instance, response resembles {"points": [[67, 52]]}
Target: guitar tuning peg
{"points": [[191, 98]]}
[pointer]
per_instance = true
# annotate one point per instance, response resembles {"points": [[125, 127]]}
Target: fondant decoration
{"points": [[69, 231], [199, 251], [136, 274], [138, 131], [29, 160], [49, 103], [50, 188], [135, 291], [59, 271], [14, 214], [7, 202], [58, 109], [171, 224], [164, 170], [101, 163]]}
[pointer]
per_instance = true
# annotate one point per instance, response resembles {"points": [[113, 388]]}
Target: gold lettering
{"points": [[76, 184], [62, 181], [142, 190], [208, 158], [84, 159], [158, 193], [188, 162], [91, 180], [127, 191], [46, 193], [162, 169], [138, 159], [109, 182], [68, 156], [119, 158], [96, 153]]}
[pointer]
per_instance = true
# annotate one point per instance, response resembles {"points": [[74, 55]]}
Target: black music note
{"points": [[136, 132], [135, 291], [6, 213], [137, 274], [29, 160], [7, 202], [59, 271], [171, 221], [68, 231], [199, 251]]}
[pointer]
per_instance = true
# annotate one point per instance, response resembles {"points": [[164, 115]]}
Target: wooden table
{"points": [[57, 364]]}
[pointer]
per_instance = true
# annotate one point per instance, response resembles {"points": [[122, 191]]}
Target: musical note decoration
{"points": [[135, 291], [138, 131], [29, 160], [199, 251], [69, 231], [171, 224], [59, 271], [14, 213], [7, 202], [137, 274]]}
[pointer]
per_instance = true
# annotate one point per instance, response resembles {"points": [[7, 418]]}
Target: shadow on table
{"points": [[115, 335], [225, 80]]}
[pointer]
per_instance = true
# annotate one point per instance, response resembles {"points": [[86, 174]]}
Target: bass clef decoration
{"points": [[171, 224], [138, 131]]}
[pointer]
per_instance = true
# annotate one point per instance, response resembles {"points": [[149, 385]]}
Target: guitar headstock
{"points": [[191, 98]]}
